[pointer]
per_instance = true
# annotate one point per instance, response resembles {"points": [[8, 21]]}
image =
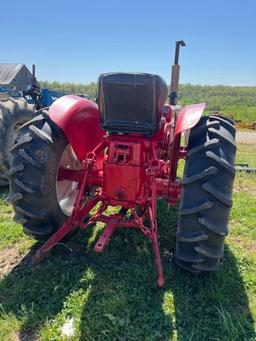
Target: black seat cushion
{"points": [[131, 102]]}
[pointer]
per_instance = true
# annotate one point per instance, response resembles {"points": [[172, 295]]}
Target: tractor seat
{"points": [[131, 103]]}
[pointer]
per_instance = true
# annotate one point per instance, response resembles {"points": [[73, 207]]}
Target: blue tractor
{"points": [[20, 98]]}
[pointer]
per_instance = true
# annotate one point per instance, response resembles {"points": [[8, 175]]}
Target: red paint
{"points": [[135, 172], [79, 120], [189, 117]]}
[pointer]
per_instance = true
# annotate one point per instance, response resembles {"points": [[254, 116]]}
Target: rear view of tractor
{"points": [[124, 153]]}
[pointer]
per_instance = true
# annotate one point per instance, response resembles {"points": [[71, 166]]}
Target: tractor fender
{"points": [[79, 119], [189, 116]]}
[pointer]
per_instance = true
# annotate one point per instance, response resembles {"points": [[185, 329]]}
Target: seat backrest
{"points": [[131, 102]]}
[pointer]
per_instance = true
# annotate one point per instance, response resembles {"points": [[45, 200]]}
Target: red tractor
{"points": [[124, 152]]}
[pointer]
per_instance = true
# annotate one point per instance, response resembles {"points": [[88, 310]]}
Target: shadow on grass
{"points": [[113, 296], [36, 294], [213, 306]]}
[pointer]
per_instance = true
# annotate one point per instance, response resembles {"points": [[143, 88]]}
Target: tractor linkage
{"points": [[160, 187]]}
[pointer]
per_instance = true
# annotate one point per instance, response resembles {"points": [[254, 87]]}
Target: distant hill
{"points": [[236, 101]]}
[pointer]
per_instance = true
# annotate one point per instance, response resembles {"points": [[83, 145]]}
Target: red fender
{"points": [[79, 119], [189, 117]]}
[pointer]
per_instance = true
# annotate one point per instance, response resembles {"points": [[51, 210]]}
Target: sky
{"points": [[75, 41]]}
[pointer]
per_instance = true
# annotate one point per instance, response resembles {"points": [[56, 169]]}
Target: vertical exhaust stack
{"points": [[34, 91], [34, 81], [175, 74]]}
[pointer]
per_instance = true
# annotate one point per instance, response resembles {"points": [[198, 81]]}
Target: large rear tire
{"points": [[41, 203], [13, 113], [206, 195]]}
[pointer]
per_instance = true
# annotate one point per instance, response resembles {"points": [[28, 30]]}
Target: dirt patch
{"points": [[244, 242], [25, 336], [246, 137], [241, 187], [9, 258]]}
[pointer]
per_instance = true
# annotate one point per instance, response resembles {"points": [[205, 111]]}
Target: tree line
{"points": [[236, 101]]}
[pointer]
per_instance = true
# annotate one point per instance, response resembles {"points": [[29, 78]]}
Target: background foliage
{"points": [[236, 101]]}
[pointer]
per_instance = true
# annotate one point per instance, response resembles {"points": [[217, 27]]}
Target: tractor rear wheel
{"points": [[13, 114], [41, 203], [206, 195]]}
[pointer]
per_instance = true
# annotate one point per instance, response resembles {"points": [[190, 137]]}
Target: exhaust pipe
{"points": [[175, 74]]}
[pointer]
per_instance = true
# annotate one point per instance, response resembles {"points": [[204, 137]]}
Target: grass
{"points": [[113, 296], [240, 113]]}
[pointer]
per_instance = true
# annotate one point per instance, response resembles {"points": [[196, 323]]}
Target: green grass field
{"points": [[113, 296]]}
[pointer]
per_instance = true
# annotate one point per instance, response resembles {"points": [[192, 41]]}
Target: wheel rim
{"points": [[66, 190]]}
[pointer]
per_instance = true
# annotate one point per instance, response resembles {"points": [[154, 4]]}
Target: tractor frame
{"points": [[119, 178]]}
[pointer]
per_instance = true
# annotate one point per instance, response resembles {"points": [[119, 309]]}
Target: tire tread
{"points": [[206, 194]]}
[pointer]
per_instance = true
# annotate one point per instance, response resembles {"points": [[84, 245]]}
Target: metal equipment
{"points": [[20, 97], [244, 167], [124, 153], [17, 81]]}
